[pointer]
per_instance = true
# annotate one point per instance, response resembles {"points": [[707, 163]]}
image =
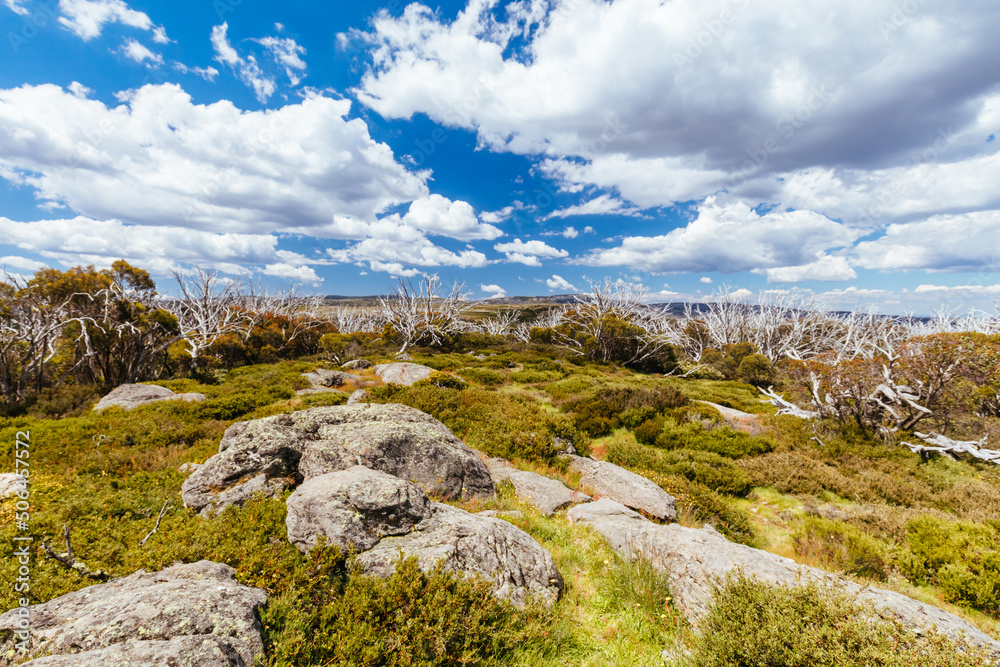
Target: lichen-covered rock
{"points": [[128, 396], [402, 373], [189, 651], [188, 468], [356, 508], [380, 515], [395, 439], [356, 365], [545, 493], [193, 609], [697, 560], [356, 396], [11, 483], [624, 486], [517, 565], [327, 378]]}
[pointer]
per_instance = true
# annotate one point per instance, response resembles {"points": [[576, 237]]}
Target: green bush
{"points": [[535, 376], [961, 557], [611, 406], [499, 424], [442, 380], [486, 377], [410, 618], [844, 547], [711, 470], [753, 624], [720, 440]]}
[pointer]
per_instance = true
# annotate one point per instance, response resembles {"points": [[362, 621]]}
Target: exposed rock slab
{"points": [[326, 378], [190, 651], [244, 491], [696, 561], [128, 396], [607, 480], [381, 516], [356, 365], [395, 439], [11, 483], [545, 493], [403, 373], [356, 396], [739, 420], [144, 618]]}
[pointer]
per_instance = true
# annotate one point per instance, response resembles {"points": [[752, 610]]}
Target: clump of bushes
{"points": [[844, 547], [487, 377], [961, 557], [667, 433], [753, 624], [499, 424], [711, 470], [612, 406]]}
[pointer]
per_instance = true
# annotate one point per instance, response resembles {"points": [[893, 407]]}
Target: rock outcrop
{"points": [[696, 561], [356, 365], [739, 420], [546, 494], [128, 396], [606, 480], [356, 396], [394, 439], [11, 483], [380, 516], [186, 614], [402, 373]]}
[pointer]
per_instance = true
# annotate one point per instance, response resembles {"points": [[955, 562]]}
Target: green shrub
{"points": [[486, 377], [720, 440], [648, 431], [442, 380], [571, 385], [499, 424], [711, 470], [535, 376], [410, 618], [844, 547], [961, 557], [753, 624], [611, 406]]}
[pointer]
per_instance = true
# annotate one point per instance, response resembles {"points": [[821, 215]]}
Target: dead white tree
{"points": [[422, 313], [209, 308], [354, 319], [296, 313], [499, 324], [939, 444]]}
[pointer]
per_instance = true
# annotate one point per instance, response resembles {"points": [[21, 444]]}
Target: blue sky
{"points": [[524, 148]]}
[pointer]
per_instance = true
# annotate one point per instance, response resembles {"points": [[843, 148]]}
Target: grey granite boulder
{"points": [[356, 396], [607, 480], [381, 515], [356, 365], [402, 373], [395, 439], [697, 560], [322, 377], [128, 396], [355, 508], [545, 493], [185, 651], [11, 483], [244, 491], [195, 610]]}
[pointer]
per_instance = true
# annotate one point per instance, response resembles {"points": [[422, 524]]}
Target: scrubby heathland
{"points": [[861, 445]]}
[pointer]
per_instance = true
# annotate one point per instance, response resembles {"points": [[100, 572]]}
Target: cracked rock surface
{"points": [[606, 480], [186, 614], [395, 439]]}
